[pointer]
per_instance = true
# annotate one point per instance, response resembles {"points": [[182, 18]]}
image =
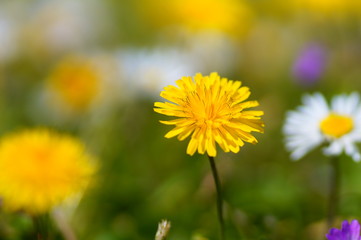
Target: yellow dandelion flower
{"points": [[76, 82], [229, 16], [40, 169], [212, 110]]}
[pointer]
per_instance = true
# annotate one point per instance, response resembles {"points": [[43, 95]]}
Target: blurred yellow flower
{"points": [[76, 82], [40, 169], [231, 16], [211, 109]]}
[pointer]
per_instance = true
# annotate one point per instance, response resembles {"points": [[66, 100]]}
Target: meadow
{"points": [[93, 71]]}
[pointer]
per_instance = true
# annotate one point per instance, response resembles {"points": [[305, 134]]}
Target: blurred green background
{"points": [[95, 68]]}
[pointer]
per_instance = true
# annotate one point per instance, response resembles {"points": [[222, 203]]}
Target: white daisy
{"points": [[62, 26], [315, 123], [148, 71], [10, 18]]}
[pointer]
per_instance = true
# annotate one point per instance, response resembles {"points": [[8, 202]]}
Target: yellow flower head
{"points": [[229, 16], [76, 82], [210, 109], [40, 169]]}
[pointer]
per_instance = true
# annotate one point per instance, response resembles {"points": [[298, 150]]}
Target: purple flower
{"points": [[310, 64], [349, 231]]}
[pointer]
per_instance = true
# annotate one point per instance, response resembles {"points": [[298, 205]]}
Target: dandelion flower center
{"points": [[211, 110], [208, 113], [336, 125]]}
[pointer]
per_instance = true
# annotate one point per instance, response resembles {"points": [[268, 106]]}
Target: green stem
{"points": [[41, 227], [219, 197], [334, 195]]}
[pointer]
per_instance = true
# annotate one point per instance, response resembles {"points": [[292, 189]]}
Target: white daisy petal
{"points": [[351, 150], [338, 103], [335, 148], [356, 157], [302, 126], [344, 104], [298, 153]]}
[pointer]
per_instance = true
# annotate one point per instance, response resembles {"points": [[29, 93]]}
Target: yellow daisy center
{"points": [[336, 125]]}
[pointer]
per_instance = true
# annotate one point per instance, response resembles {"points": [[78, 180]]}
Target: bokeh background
{"points": [[95, 68]]}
